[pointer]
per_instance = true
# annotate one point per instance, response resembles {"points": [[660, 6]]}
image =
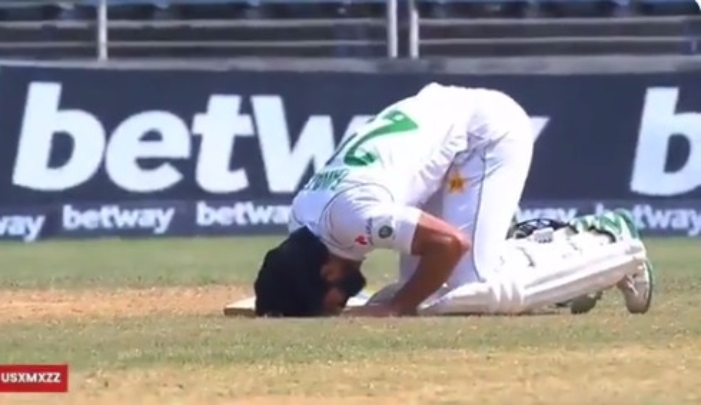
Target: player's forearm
{"points": [[434, 269]]}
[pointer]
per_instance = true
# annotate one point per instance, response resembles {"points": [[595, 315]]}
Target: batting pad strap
{"points": [[572, 272]]}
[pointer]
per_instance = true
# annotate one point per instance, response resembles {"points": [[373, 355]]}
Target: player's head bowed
{"points": [[299, 278]]}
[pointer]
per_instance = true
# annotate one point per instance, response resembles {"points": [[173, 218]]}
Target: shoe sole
{"points": [[643, 309], [586, 303]]}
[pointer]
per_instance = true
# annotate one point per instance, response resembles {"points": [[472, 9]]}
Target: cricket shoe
{"points": [[637, 289]]}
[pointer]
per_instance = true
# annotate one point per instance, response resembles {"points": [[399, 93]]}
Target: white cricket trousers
{"points": [[482, 190]]}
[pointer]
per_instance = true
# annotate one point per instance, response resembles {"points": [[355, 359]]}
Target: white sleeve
{"points": [[352, 233], [392, 227]]}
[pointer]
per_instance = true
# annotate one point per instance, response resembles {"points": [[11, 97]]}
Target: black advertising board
{"points": [[199, 143], [151, 219]]}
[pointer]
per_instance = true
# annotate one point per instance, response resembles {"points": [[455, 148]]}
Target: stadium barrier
{"points": [[103, 35], [102, 29], [120, 152]]}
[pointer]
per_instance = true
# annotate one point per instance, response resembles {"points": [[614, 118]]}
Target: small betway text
{"points": [[113, 216], [241, 213], [651, 218]]}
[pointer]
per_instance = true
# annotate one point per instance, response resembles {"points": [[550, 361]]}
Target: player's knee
{"points": [[454, 245], [460, 244]]}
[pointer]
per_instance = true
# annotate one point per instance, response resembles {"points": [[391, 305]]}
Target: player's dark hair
{"points": [[290, 283]]}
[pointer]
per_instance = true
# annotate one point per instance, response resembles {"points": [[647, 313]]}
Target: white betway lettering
{"points": [[218, 128], [284, 165], [244, 213], [679, 219], [538, 124], [560, 214], [660, 122], [684, 221], [114, 216], [25, 227]]}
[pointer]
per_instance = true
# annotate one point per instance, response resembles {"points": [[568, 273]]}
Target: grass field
{"points": [[140, 322]]}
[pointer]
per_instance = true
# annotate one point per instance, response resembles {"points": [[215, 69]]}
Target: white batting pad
{"points": [[542, 274]]}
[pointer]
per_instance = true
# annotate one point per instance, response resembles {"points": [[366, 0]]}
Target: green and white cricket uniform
{"points": [[462, 154]]}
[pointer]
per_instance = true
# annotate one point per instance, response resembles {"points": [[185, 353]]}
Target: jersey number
{"points": [[390, 123]]}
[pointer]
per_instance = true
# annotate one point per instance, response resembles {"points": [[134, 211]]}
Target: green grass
{"points": [[175, 262], [212, 340], [192, 357], [144, 263]]}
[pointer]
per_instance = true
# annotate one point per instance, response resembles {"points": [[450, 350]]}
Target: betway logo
{"points": [[157, 220], [660, 123], [24, 227], [241, 214], [218, 127]]}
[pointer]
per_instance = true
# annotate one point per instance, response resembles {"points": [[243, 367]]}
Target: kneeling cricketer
{"points": [[438, 177]]}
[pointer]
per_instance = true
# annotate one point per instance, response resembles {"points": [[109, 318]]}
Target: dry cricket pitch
{"points": [[140, 322]]}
